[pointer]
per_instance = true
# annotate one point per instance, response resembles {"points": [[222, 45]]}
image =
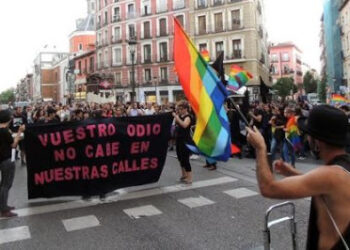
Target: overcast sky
{"points": [[27, 26]]}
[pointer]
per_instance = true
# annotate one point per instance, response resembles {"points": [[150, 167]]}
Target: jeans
{"points": [[274, 146], [288, 153], [7, 169]]}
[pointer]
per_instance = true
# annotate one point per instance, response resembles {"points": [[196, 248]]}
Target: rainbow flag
{"points": [[336, 98], [238, 78], [205, 55], [293, 133], [206, 95]]}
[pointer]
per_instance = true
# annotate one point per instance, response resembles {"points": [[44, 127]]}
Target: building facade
{"points": [[333, 46], [45, 86], [344, 22], [285, 59], [233, 26]]}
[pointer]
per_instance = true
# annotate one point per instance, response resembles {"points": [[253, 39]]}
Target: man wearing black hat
{"points": [[329, 225], [7, 167]]}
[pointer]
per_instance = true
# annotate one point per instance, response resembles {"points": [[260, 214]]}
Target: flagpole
{"points": [[238, 110]]}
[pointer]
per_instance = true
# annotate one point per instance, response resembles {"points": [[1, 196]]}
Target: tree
{"points": [[310, 84], [322, 89], [284, 86], [7, 96]]}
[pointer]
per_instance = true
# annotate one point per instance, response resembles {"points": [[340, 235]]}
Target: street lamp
{"points": [[132, 46]]}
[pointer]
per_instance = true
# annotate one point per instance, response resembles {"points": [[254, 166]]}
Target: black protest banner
{"points": [[95, 156]]}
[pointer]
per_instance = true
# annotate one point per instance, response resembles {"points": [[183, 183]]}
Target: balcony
{"points": [[258, 8], [237, 54], [261, 32], [180, 5], [131, 15], [219, 29], [163, 58], [147, 60], [201, 5], [116, 18], [105, 23], [98, 25], [218, 2], [299, 73], [147, 36], [115, 40], [162, 9], [235, 1], [163, 33]]}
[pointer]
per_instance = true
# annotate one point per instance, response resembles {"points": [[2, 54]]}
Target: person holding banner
{"points": [[183, 122], [7, 167]]}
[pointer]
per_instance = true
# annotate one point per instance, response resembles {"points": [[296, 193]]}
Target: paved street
{"points": [[221, 210]]}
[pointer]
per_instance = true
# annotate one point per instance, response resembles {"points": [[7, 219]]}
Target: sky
{"points": [[27, 26]]}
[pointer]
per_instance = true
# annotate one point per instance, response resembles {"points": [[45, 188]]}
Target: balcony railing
{"points": [[131, 15], [116, 18], [234, 1], [237, 54], [147, 60], [163, 58], [218, 2], [210, 29], [163, 33], [201, 6], [147, 36], [115, 40]]}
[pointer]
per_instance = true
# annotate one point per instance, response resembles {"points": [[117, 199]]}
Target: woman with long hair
{"points": [[183, 125]]}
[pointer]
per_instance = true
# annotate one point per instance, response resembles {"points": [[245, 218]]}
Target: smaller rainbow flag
{"points": [[205, 55], [293, 133], [336, 98], [238, 78]]}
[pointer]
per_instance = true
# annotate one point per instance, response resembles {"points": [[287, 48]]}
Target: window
{"points": [[180, 18], [202, 25], [285, 57], [164, 74], [274, 58], [236, 48], [92, 64], [106, 37], [162, 5], [106, 58], [219, 47], [116, 16], [236, 19], [218, 22], [106, 17], [85, 66], [80, 46], [79, 67], [178, 4], [106, 2], [202, 46], [146, 30], [273, 70], [131, 11], [286, 69], [148, 75], [201, 3], [146, 9], [162, 27], [217, 2], [117, 34], [99, 60], [117, 56], [163, 52], [132, 33], [118, 78], [147, 55]]}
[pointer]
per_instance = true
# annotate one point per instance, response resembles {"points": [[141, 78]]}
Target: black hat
{"points": [[5, 116], [327, 124]]}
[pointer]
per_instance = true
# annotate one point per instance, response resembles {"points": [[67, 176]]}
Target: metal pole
{"points": [[132, 76]]}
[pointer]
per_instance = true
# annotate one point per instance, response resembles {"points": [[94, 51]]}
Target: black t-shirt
{"points": [[6, 141], [183, 133], [17, 121]]}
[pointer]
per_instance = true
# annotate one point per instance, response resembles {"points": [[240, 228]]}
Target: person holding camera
{"points": [[7, 167]]}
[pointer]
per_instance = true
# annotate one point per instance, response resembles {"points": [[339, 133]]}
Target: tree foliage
{"points": [[322, 89], [310, 84], [7, 96], [284, 86]]}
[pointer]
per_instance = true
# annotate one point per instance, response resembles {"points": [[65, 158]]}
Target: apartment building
{"points": [[286, 61], [344, 23], [233, 26]]}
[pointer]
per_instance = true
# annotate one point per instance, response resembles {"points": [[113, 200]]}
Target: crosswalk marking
{"points": [[122, 196], [79, 223], [14, 234], [143, 211], [240, 193], [194, 202]]}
